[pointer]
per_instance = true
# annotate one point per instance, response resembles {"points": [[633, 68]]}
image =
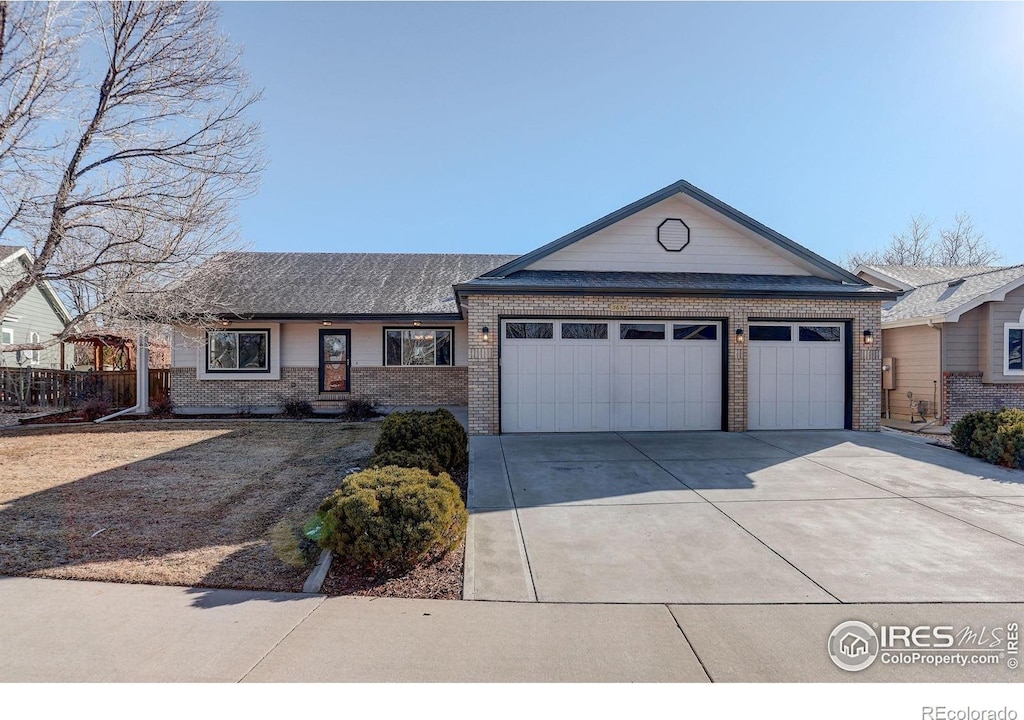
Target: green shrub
{"points": [[393, 518], [984, 434], [408, 459], [1008, 445], [962, 432], [437, 433]]}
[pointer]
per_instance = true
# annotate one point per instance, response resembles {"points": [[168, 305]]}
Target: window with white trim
{"points": [[418, 346], [1013, 343], [238, 351], [6, 336], [34, 356]]}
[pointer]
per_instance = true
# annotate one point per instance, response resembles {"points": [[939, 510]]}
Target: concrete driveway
{"points": [[759, 517]]}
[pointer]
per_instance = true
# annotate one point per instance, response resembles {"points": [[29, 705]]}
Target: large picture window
{"points": [[238, 351], [418, 346]]}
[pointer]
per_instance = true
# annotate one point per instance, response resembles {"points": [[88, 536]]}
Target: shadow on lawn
{"points": [[200, 513]]}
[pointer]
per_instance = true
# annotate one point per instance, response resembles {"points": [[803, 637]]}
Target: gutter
{"points": [[689, 292]]}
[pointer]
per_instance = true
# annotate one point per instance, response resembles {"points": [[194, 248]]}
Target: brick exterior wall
{"points": [[486, 310], [385, 385], [964, 392]]}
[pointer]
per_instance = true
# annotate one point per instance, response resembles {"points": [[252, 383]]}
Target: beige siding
{"points": [[960, 343], [299, 343], [1007, 311], [716, 246], [915, 354]]}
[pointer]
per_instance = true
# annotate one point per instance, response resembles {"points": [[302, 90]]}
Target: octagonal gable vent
{"points": [[673, 234]]}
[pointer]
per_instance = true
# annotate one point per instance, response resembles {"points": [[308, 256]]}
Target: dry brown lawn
{"points": [[198, 504]]}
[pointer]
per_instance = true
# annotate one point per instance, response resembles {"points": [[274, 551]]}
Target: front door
{"points": [[335, 357]]}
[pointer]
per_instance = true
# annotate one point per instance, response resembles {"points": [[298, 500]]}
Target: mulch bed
{"points": [[440, 580]]}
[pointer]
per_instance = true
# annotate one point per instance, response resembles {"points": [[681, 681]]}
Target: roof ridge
{"points": [[970, 275]]}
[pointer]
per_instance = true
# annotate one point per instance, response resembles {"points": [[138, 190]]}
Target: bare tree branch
{"points": [[128, 195], [959, 244]]}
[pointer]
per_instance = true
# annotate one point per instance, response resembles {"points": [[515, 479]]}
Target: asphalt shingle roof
{"points": [[259, 283], [7, 250], [683, 282], [917, 275], [940, 297]]}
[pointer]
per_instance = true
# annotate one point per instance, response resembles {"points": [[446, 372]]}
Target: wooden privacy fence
{"points": [[61, 388]]}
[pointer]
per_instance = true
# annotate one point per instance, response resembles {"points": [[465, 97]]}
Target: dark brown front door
{"points": [[335, 358]]}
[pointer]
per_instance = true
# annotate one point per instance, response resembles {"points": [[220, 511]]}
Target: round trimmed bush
{"points": [[438, 433], [962, 432], [393, 518], [408, 459]]}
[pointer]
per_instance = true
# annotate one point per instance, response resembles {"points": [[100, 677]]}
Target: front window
{"points": [[1013, 341], [418, 346], [238, 351]]}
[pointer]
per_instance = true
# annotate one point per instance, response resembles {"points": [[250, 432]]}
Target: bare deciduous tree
{"points": [[960, 244], [124, 147]]}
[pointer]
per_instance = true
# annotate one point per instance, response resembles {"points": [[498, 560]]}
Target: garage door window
{"points": [[776, 333], [819, 333], [642, 331], [584, 331], [529, 330], [694, 332]]}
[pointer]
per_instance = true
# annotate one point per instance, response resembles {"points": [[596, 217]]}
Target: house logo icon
{"points": [[853, 645]]}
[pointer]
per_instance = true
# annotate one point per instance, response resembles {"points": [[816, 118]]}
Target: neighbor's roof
{"points": [[912, 276], [7, 250], [660, 283], [947, 299], [259, 284]]}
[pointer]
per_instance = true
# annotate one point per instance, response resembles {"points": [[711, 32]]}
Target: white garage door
{"points": [[797, 376], [608, 375]]}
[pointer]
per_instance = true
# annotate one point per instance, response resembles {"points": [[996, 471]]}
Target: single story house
{"points": [[676, 312], [952, 341], [37, 317]]}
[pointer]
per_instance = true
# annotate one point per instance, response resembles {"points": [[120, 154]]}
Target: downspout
{"points": [[942, 360], [141, 382]]}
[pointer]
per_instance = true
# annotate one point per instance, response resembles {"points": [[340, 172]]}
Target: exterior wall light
{"points": [[739, 335], [225, 323], [326, 322], [486, 333], [869, 337], [416, 323]]}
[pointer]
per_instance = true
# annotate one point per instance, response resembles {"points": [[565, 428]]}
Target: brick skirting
{"points": [[964, 392], [384, 385]]}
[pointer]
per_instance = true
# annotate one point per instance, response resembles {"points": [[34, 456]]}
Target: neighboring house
{"points": [[676, 312], [953, 338], [38, 316]]}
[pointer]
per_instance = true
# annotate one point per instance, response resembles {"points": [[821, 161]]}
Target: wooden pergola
{"points": [[122, 353]]}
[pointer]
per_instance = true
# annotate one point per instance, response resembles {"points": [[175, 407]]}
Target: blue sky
{"points": [[498, 127]]}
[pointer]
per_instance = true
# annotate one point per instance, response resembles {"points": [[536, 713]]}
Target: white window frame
{"points": [[6, 336], [1007, 327], [34, 356]]}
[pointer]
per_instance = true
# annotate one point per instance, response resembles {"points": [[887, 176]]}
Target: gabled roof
{"points": [[672, 283], [325, 285], [829, 269], [911, 276], [8, 253], [947, 299]]}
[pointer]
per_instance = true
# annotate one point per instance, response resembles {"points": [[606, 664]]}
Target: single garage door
{"points": [[797, 374], [565, 375]]}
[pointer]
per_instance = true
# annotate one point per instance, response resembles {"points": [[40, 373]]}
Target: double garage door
{"points": [[569, 375]]}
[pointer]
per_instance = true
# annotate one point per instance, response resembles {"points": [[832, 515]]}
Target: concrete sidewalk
{"points": [[71, 631]]}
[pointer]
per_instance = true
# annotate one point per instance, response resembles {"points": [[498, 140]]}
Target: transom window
{"points": [[765, 333], [694, 332], [1013, 361], [642, 331], [584, 331], [819, 333], [418, 346], [238, 350], [529, 330]]}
